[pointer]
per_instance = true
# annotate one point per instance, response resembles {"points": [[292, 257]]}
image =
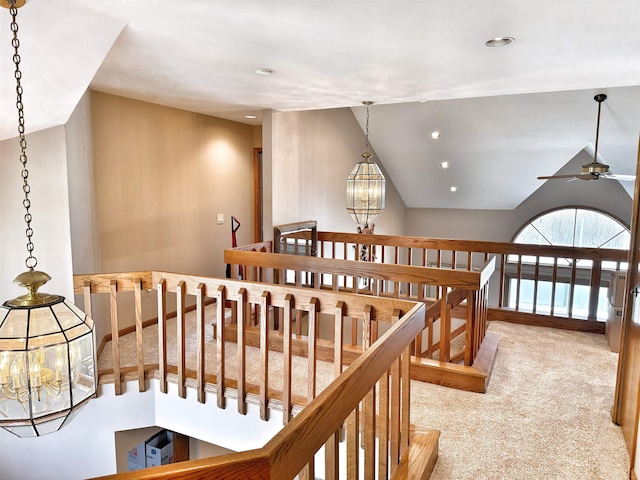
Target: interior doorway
{"points": [[257, 195]]}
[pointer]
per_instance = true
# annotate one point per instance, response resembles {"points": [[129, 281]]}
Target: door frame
{"points": [[626, 407], [257, 195]]}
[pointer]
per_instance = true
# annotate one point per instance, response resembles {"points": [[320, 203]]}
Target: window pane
{"points": [[557, 226]]}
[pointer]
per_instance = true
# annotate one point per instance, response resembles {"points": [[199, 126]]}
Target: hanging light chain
{"points": [[31, 261], [367, 155], [367, 130]]}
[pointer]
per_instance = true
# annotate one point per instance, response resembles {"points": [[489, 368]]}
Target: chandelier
{"points": [[365, 188], [47, 344]]}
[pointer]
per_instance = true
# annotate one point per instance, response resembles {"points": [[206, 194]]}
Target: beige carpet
{"points": [[545, 414]]}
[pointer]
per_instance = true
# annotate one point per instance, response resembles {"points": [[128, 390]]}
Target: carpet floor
{"points": [[545, 415]]}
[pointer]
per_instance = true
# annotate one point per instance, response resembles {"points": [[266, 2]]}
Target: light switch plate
{"points": [[220, 219]]}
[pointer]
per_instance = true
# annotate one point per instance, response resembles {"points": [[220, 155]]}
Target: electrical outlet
{"points": [[220, 220]]}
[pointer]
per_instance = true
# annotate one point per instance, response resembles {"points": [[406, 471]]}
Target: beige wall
{"points": [[161, 177], [313, 153]]}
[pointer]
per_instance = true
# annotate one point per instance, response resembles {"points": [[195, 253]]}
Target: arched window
{"points": [[575, 227]]}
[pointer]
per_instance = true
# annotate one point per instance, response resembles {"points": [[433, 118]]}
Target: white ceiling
{"points": [[506, 114]]}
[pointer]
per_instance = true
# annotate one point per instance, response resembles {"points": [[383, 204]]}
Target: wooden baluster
{"points": [[354, 330], [470, 329], [332, 452], [338, 338], [469, 261], [162, 334], [439, 290], [220, 346], [554, 278], [430, 322], [405, 365], [287, 354], [394, 415], [298, 322], [418, 341], [369, 405], [308, 472], [409, 261], [115, 338], [313, 314], [572, 286], [353, 444], [454, 260], [518, 281], [594, 284], [243, 309], [383, 427], [445, 328], [265, 301], [503, 274], [200, 354], [137, 285], [86, 290], [181, 341], [536, 279]]}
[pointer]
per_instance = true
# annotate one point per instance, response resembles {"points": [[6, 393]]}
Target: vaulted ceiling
{"points": [[506, 115]]}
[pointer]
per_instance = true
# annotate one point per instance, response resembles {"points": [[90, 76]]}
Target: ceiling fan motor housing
{"points": [[595, 167]]}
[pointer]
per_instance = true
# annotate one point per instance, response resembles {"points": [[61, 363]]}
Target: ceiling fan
{"points": [[594, 170]]}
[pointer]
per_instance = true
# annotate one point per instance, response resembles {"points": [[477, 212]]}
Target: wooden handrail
{"points": [[326, 413], [322, 418], [382, 271], [476, 246]]}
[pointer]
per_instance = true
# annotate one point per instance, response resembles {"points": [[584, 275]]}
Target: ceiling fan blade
{"points": [[622, 178], [577, 176]]}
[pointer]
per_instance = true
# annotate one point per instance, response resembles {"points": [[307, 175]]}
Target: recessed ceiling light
{"points": [[264, 71], [444, 164], [499, 41], [423, 101], [435, 135], [453, 189], [250, 116]]}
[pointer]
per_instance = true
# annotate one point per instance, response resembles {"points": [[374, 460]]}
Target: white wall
{"points": [[47, 165], [313, 153]]}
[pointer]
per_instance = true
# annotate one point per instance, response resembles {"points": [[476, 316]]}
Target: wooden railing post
{"points": [[220, 346], [288, 357], [243, 308], [200, 326], [162, 334], [594, 284], [115, 337], [139, 342], [181, 345], [313, 314], [264, 355]]}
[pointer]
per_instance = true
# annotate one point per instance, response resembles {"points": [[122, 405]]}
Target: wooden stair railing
{"points": [[376, 382], [460, 285]]}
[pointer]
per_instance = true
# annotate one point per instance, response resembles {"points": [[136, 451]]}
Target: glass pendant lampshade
{"points": [[47, 345], [365, 192], [366, 187], [47, 366]]}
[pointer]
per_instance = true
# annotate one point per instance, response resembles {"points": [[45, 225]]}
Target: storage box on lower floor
{"points": [[613, 327], [159, 449], [136, 457]]}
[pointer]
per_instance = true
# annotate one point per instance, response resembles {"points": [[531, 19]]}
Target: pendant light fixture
{"points": [[47, 344], [366, 188]]}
